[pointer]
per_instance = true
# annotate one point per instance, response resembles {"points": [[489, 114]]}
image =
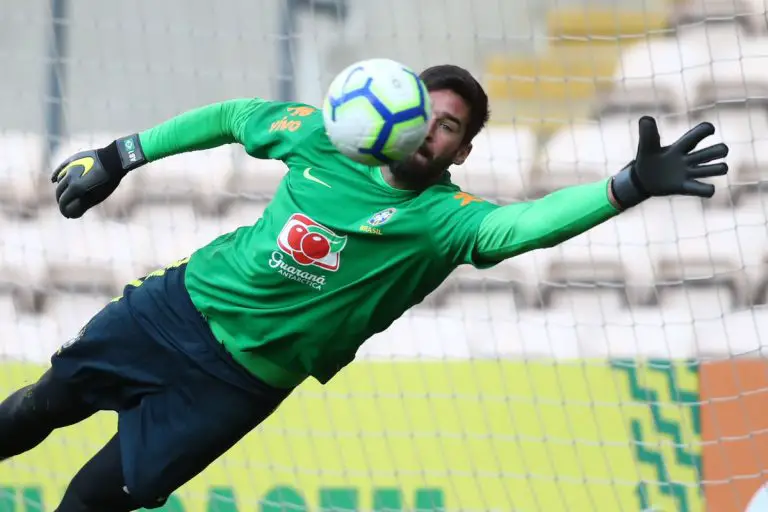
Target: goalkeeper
{"points": [[194, 356]]}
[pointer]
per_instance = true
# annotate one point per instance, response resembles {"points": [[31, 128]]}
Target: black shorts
{"points": [[182, 401]]}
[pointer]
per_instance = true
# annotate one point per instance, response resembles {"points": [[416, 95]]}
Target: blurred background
{"points": [[622, 370]]}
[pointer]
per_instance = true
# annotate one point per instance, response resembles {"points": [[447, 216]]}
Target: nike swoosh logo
{"points": [[312, 178], [87, 163]]}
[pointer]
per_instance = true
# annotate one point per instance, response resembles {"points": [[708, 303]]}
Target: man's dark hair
{"points": [[460, 81]]}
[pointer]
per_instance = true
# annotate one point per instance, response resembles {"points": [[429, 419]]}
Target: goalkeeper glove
{"points": [[669, 170], [87, 178]]}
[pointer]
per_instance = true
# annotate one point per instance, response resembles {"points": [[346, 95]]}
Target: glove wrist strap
{"points": [[123, 155], [626, 190], [130, 151]]}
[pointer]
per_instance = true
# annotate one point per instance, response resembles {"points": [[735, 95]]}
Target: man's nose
{"points": [[431, 130]]}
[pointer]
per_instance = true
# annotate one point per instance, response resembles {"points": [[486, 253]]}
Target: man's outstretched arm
{"points": [[87, 178], [202, 128], [518, 228], [656, 171]]}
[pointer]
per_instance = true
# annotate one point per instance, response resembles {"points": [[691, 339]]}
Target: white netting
{"points": [[622, 370]]}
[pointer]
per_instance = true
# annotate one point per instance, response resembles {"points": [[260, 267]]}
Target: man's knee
{"points": [[147, 496], [89, 494], [81, 498], [93, 496], [99, 485], [149, 488]]}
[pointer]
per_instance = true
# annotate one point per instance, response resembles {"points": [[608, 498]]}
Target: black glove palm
{"points": [[669, 170], [87, 178]]}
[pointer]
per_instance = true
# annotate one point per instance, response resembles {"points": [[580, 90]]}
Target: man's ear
{"points": [[462, 155]]}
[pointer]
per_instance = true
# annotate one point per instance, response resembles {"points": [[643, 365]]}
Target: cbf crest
{"points": [[379, 218]]}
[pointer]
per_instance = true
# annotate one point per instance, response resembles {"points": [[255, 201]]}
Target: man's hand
{"points": [[669, 170], [87, 178]]}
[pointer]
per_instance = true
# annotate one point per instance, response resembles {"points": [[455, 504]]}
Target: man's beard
{"points": [[417, 174]]}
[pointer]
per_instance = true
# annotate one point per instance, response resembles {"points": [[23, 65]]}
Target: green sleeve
{"points": [[201, 128], [281, 130], [454, 224], [518, 228], [267, 129]]}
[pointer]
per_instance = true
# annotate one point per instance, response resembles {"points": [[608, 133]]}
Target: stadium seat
{"points": [[476, 306], [627, 238], [760, 289], [499, 166], [243, 213], [735, 78], [753, 205], [748, 14], [92, 240], [744, 127], [22, 289], [559, 81], [733, 67], [75, 292], [440, 336], [589, 151], [593, 286], [693, 231], [756, 20], [586, 152], [28, 338], [700, 285], [255, 179], [8, 317], [720, 38], [733, 335], [22, 246], [750, 190], [657, 71], [506, 282], [566, 335], [23, 180], [69, 312], [121, 202], [164, 233], [668, 70], [200, 178], [82, 279], [173, 231]]}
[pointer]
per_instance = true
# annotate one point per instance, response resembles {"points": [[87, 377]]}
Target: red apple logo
{"points": [[310, 243], [315, 246], [295, 234]]}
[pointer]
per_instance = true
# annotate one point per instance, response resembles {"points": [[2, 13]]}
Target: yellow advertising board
{"points": [[462, 435]]}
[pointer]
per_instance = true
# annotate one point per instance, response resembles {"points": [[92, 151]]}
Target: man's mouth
{"points": [[424, 152]]}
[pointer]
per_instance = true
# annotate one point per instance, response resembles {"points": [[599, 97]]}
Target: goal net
{"points": [[622, 370]]}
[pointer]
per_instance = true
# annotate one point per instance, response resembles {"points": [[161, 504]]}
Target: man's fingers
{"points": [[707, 154], [649, 140], [68, 196], [62, 186], [696, 188], [693, 137], [74, 210], [57, 171], [708, 171]]}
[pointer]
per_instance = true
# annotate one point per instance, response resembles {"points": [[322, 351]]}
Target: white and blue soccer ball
{"points": [[377, 112]]}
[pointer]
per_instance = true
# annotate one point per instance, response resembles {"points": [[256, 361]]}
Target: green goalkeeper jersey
{"points": [[339, 254]]}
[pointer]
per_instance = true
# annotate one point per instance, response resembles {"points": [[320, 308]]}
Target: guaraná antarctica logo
{"points": [[309, 244]]}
